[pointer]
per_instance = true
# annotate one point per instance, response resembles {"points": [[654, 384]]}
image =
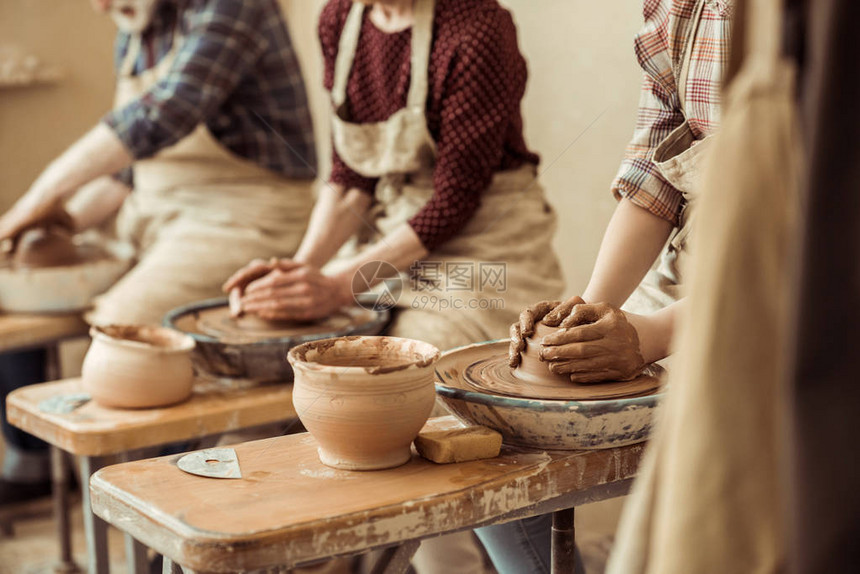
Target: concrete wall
{"points": [[579, 107]]}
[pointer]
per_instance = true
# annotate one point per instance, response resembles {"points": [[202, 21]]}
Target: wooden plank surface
{"points": [[289, 508], [93, 430], [23, 331]]}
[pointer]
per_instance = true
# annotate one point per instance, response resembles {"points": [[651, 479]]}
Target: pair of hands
{"points": [[594, 342], [285, 290]]}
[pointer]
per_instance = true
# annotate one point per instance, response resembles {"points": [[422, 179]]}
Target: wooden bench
{"points": [[289, 509], [98, 434]]}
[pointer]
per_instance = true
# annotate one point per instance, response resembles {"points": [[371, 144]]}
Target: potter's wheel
{"points": [[491, 374], [477, 385], [249, 349], [63, 288], [217, 322]]}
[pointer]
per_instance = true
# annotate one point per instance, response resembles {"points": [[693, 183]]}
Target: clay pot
{"points": [[130, 366], [364, 399], [39, 248], [532, 368]]}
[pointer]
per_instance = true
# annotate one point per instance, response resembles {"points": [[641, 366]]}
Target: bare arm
{"points": [[656, 331], [98, 153], [337, 215], [96, 201], [633, 240]]}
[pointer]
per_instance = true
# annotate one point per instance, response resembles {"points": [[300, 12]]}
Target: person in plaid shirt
{"points": [[683, 49], [208, 156]]}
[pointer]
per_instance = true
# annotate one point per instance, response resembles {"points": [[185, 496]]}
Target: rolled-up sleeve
{"points": [[638, 178], [219, 47]]}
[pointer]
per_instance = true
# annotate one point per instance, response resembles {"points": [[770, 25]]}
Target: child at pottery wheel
{"points": [[430, 174], [683, 50], [211, 117]]}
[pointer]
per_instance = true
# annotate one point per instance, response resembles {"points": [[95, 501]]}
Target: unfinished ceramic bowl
{"points": [[531, 367], [131, 366], [46, 248], [364, 399]]}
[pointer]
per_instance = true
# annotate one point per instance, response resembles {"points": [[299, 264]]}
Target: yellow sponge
{"points": [[459, 445]]}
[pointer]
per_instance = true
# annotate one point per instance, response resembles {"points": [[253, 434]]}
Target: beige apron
{"points": [[708, 496], [198, 212], [473, 286], [679, 158]]}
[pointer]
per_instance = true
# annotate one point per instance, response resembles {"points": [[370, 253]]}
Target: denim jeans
{"points": [[522, 546], [17, 370]]}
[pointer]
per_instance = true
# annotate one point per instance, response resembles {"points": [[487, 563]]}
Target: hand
{"points": [[525, 328], [251, 272], [594, 343], [299, 292], [23, 217]]}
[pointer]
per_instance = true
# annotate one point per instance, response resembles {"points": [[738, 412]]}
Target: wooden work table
{"points": [[97, 435], [22, 331], [288, 508]]}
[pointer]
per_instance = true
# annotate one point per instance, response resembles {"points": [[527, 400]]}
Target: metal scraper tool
{"points": [[212, 463]]}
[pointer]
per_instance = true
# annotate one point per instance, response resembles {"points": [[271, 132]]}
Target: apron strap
{"points": [[346, 52], [688, 54], [135, 45], [422, 40], [132, 51]]}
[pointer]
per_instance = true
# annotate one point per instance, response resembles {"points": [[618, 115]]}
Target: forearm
{"points": [[400, 248], [337, 215], [633, 240], [98, 153], [96, 201], [656, 330]]}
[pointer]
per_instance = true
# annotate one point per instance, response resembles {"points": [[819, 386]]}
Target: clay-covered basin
{"points": [[364, 399], [132, 366]]}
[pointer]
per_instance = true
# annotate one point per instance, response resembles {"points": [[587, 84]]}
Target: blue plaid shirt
{"points": [[236, 70]]}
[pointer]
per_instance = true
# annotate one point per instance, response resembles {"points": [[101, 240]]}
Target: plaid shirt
{"points": [[236, 70], [659, 46]]}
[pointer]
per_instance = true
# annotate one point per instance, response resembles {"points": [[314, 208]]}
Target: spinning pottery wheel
{"points": [[57, 280], [479, 387], [252, 350]]}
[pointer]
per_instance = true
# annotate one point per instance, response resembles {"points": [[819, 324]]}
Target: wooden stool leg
{"points": [[94, 527], [60, 491], [395, 560], [563, 542]]}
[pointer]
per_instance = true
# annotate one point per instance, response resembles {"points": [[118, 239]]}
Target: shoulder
{"points": [[475, 25], [332, 19], [230, 13]]}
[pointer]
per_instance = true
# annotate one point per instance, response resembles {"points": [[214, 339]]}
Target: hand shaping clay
{"points": [[531, 367], [45, 248], [459, 445]]}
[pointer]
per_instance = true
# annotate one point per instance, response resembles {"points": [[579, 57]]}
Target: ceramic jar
{"points": [[130, 366], [364, 399], [532, 368]]}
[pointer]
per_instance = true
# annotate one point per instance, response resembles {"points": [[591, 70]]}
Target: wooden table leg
{"points": [[94, 527], [563, 542], [60, 491], [135, 553], [395, 560]]}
